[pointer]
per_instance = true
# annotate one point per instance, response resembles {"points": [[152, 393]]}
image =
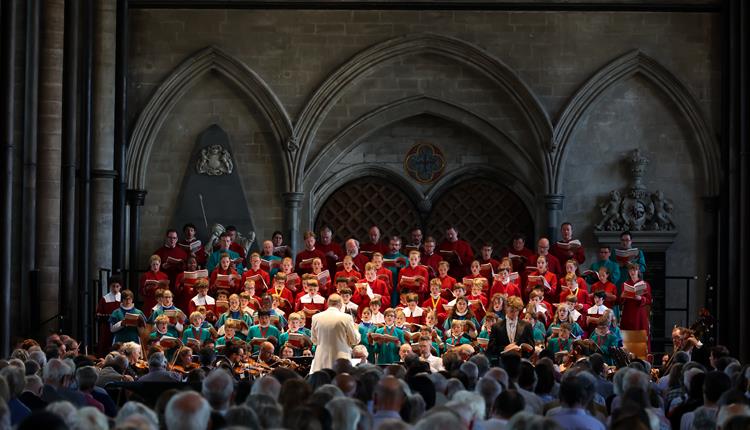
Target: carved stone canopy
{"points": [[636, 209]]}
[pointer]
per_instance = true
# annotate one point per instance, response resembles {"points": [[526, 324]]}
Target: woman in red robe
{"points": [[151, 281], [534, 279], [232, 283], [506, 282], [635, 307]]}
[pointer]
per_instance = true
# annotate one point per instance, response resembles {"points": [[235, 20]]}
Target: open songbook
{"points": [[451, 256], [151, 285], [269, 265], [175, 316], [256, 341], [323, 277], [190, 278], [258, 279], [625, 256], [192, 247], [309, 312], [223, 281], [193, 344], [169, 342], [535, 280], [394, 262], [486, 270], [411, 282], [630, 291], [174, 261], [298, 340], [573, 244], [469, 282], [482, 342], [240, 325], [587, 273], [134, 320], [306, 263], [383, 338], [516, 258], [222, 306], [410, 248]]}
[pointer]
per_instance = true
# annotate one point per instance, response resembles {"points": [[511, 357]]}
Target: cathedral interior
{"points": [[124, 118]]}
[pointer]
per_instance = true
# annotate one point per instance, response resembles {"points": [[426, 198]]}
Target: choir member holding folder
{"points": [[173, 257], [635, 300], [151, 281]]}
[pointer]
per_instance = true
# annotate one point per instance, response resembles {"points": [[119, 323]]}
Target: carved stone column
{"points": [[135, 198], [292, 205], [553, 203], [103, 145]]}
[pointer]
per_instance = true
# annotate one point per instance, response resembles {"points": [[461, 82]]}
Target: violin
{"points": [[183, 370]]}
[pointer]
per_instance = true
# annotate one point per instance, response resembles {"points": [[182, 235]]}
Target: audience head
{"points": [[187, 411]]}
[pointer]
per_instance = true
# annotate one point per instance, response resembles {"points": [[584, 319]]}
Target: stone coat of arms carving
{"points": [[214, 160]]}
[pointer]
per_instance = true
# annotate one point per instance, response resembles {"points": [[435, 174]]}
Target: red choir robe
{"points": [[520, 259], [352, 275], [553, 265], [492, 262], [359, 261], [147, 293], [512, 288], [486, 287], [287, 304], [582, 296], [549, 295], [176, 268], [309, 255], [422, 290], [330, 262], [417, 316], [463, 250], [199, 253], [260, 286], [182, 292], [478, 305], [107, 304], [386, 276], [206, 301], [634, 313], [446, 287], [562, 254], [214, 285], [378, 286], [325, 285], [370, 248], [608, 288], [310, 305], [581, 284], [437, 305], [432, 261]]}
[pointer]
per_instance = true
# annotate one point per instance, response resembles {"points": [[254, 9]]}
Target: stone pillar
{"points": [[49, 160], [292, 205], [553, 203], [103, 134], [136, 198]]}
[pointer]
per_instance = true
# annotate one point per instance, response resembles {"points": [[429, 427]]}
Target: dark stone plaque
{"points": [[211, 173]]}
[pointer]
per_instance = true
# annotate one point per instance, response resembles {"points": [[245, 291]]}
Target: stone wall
{"points": [[504, 79]]}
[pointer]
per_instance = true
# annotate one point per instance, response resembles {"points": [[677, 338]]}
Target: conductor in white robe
{"points": [[334, 333]]}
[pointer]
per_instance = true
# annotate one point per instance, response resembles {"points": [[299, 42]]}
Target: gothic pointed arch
{"points": [[637, 63], [326, 95], [518, 158], [178, 83]]}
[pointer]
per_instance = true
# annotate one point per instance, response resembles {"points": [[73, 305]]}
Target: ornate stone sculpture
{"points": [[214, 160], [640, 210], [244, 241]]}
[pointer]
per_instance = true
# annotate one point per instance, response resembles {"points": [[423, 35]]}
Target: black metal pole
{"points": [[67, 298], [8, 11], [31, 99], [121, 138], [84, 183]]}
